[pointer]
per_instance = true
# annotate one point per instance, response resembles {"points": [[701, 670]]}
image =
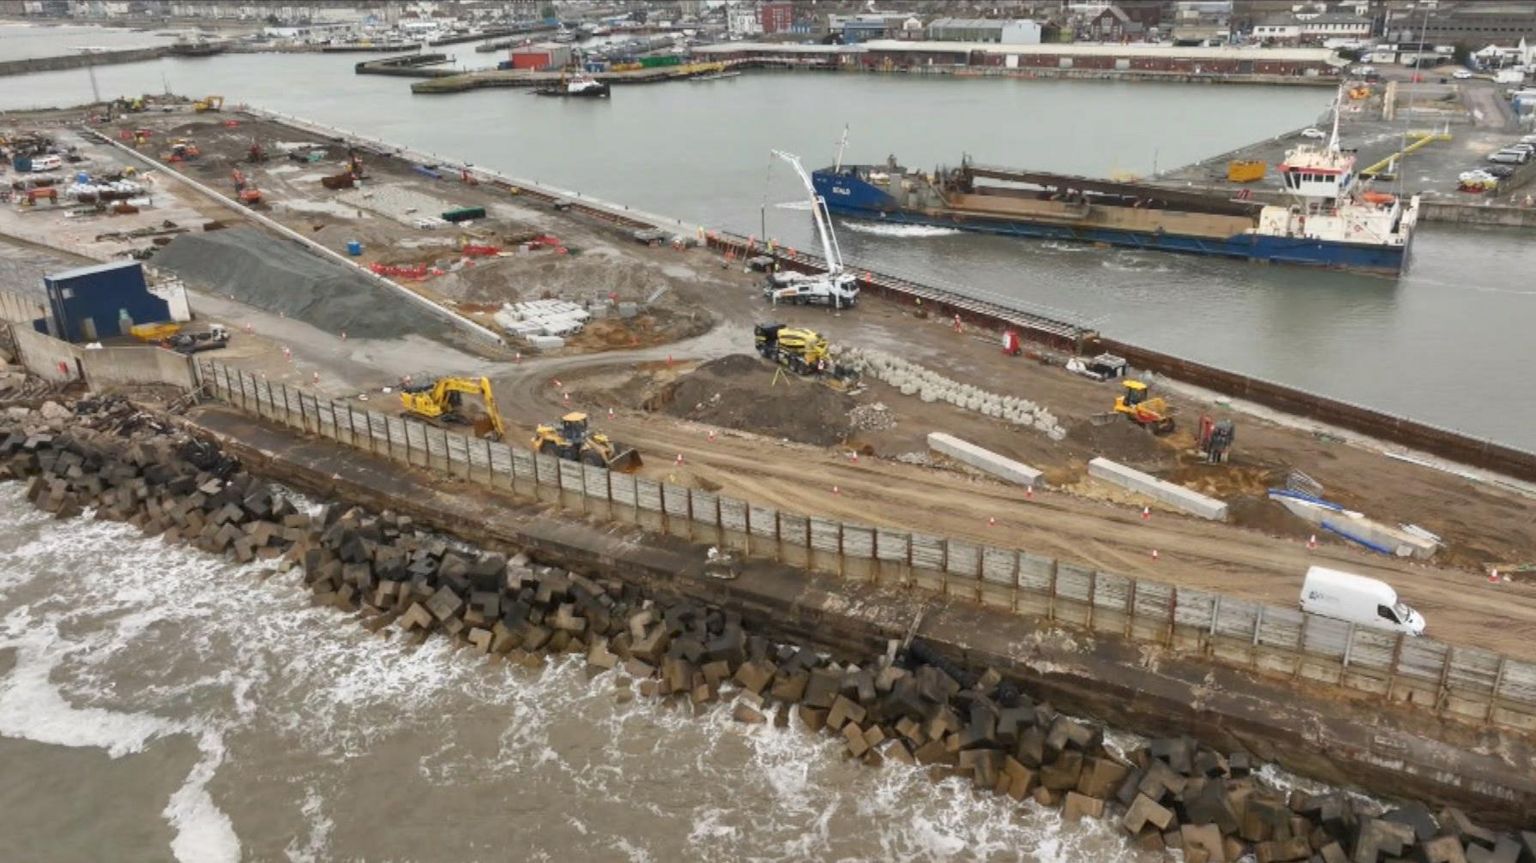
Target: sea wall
{"points": [[80, 61]]}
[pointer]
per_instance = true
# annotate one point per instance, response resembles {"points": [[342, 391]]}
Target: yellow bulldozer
{"points": [[575, 441], [441, 401], [1144, 409], [208, 103]]}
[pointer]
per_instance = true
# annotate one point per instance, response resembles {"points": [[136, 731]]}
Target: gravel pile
{"points": [[281, 277]]}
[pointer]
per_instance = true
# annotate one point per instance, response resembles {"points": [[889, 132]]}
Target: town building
{"points": [[776, 17], [1469, 24], [1202, 22]]}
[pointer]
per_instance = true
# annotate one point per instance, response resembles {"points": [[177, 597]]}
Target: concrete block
{"points": [[1176, 496], [1381, 838], [1282, 850], [1505, 850], [1202, 839], [755, 675], [983, 459], [1442, 849], [748, 714], [1145, 811], [1101, 777], [1064, 773], [845, 710], [1456, 823], [813, 718], [445, 604], [1078, 806]]}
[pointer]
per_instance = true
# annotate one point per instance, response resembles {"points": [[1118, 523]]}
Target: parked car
{"points": [[1510, 157], [1316, 134], [1359, 600], [1499, 171], [1461, 74]]}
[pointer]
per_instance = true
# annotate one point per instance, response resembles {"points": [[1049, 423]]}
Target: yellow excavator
{"points": [[441, 401], [1144, 409], [573, 440], [208, 103]]}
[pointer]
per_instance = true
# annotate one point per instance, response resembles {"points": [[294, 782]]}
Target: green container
{"points": [[663, 60], [464, 214]]}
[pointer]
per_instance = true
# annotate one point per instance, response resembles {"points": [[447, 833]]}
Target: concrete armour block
{"points": [[1078, 806], [1145, 811], [983, 459], [1173, 495]]}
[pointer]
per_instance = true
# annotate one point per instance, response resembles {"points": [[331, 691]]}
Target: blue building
{"points": [[101, 302]]}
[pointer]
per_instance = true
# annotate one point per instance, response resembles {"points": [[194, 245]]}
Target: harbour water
{"points": [[1446, 343], [158, 703]]}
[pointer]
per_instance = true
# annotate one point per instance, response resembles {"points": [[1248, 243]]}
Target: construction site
{"points": [[446, 295]]}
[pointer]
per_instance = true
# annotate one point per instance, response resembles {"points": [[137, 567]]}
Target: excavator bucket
{"points": [[625, 459]]}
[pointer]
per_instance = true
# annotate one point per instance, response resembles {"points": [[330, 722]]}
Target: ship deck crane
{"points": [[835, 287]]}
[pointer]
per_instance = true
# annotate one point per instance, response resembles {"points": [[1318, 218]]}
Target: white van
{"points": [[46, 163], [1357, 599]]}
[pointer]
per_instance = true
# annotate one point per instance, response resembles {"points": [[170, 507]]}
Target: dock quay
{"points": [[458, 83], [407, 66]]}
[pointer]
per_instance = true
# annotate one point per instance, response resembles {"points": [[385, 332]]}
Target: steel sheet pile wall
{"points": [[1400, 430], [1456, 682]]}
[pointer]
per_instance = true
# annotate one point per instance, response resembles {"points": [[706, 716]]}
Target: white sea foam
{"points": [[317, 845], [905, 231]]}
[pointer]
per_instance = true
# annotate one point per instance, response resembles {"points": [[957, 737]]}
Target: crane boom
{"points": [[829, 248]]}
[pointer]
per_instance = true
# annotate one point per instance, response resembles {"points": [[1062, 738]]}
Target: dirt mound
{"points": [[279, 276], [1117, 439], [740, 392]]}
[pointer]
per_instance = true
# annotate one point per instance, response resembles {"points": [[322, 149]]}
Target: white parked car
{"points": [[1316, 134], [1461, 74], [1510, 157]]}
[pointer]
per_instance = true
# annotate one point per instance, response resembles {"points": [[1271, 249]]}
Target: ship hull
{"points": [[869, 203]]}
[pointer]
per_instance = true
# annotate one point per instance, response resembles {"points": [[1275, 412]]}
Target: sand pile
{"points": [[281, 277]]}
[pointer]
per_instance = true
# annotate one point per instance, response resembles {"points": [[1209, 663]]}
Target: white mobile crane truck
{"points": [[835, 287]]}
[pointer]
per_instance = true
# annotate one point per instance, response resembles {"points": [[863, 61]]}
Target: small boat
{"points": [[576, 86], [716, 76]]}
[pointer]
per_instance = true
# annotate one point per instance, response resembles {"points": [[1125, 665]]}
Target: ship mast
{"points": [[842, 145]]}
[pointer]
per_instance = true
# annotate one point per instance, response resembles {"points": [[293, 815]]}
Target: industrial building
{"points": [[104, 301], [1006, 32], [1131, 57]]}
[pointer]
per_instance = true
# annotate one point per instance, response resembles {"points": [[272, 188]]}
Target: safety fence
{"points": [[1451, 681]]}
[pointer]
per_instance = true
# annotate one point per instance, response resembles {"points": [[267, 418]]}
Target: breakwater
{"points": [[905, 702], [82, 60]]}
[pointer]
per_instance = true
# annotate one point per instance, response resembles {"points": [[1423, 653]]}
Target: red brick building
{"points": [[776, 17]]}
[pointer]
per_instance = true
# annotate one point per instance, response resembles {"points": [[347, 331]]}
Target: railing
{"points": [[1461, 683]]}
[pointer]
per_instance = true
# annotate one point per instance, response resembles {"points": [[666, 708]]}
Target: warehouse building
{"points": [[1006, 32]]}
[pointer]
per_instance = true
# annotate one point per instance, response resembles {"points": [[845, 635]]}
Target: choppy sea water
{"points": [[159, 703]]}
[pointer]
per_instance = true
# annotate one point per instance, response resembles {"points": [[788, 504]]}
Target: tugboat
{"points": [[579, 85]]}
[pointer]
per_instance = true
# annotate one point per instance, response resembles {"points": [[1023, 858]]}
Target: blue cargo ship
{"points": [[1328, 224]]}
